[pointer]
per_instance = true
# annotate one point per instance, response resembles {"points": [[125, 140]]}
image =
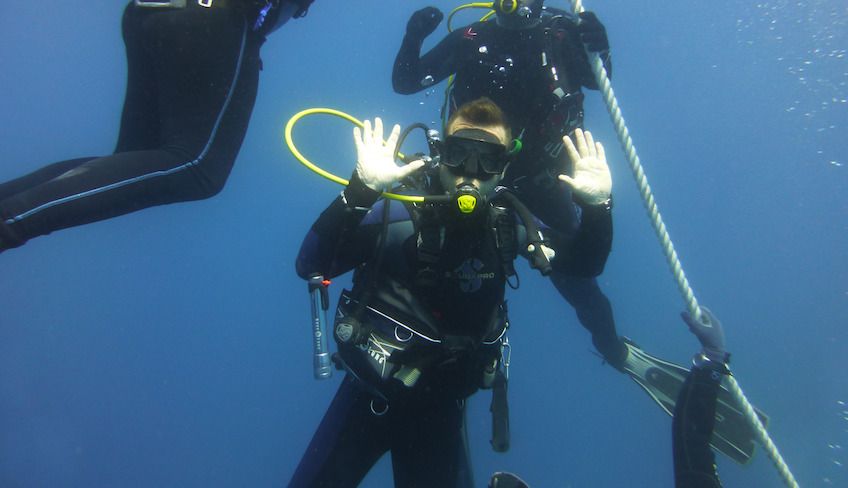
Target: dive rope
{"points": [[668, 248]]}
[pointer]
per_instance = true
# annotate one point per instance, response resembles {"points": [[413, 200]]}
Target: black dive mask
{"points": [[474, 153]]}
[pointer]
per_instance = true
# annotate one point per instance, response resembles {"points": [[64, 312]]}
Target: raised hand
{"points": [[592, 181], [375, 162]]}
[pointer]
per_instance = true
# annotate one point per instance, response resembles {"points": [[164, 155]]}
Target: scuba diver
{"points": [[532, 62], [425, 324], [193, 71]]}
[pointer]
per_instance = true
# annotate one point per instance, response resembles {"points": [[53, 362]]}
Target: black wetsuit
{"points": [[192, 79], [692, 429], [514, 69], [423, 425]]}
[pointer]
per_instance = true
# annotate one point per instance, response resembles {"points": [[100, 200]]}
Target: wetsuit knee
{"points": [[207, 177]]}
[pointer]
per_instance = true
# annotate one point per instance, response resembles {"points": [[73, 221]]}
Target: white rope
{"points": [[668, 249]]}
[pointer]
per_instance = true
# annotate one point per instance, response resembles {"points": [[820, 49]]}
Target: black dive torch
{"points": [[319, 299]]}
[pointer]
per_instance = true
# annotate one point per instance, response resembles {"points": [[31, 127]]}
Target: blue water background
{"points": [[171, 347]]}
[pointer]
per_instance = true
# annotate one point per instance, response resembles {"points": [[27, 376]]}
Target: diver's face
{"points": [[475, 156]]}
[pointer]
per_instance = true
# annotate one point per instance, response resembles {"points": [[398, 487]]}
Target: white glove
{"points": [[375, 162], [592, 182]]}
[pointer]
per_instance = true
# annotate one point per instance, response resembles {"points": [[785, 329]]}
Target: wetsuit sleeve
{"points": [[585, 254], [337, 242], [692, 428], [593, 241], [411, 68]]}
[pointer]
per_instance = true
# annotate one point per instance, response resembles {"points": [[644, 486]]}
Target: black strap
{"points": [[503, 226], [430, 241], [538, 259]]}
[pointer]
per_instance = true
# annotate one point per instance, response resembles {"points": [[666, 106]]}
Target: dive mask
{"points": [[474, 153]]}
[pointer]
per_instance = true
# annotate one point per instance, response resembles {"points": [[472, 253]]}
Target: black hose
{"points": [[404, 135], [534, 235]]}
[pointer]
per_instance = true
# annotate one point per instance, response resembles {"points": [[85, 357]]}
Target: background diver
{"points": [[185, 114], [425, 323], [531, 61]]}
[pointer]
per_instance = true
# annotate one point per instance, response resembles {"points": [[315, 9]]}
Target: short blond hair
{"points": [[482, 112]]}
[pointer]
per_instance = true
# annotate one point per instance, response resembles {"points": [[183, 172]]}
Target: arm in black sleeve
{"points": [[337, 243], [692, 429], [588, 251], [411, 68]]}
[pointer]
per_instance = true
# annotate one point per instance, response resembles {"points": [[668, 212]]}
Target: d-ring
{"points": [[381, 413]]}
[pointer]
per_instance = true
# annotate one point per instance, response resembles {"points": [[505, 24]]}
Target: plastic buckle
{"points": [[205, 3]]}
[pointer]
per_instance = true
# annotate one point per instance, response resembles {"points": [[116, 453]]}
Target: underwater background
{"points": [[171, 347]]}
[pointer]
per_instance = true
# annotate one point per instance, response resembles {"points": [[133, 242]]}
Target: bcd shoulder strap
{"points": [[502, 224]]}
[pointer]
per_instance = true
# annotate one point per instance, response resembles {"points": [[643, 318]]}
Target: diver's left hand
{"points": [[375, 161], [707, 328], [592, 181]]}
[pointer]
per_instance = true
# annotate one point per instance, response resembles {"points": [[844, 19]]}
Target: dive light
{"points": [[319, 299]]}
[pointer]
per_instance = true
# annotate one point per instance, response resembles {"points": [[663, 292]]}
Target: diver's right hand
{"points": [[424, 22], [375, 162], [710, 334]]}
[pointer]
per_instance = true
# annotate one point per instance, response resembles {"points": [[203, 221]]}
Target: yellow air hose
{"points": [[322, 172], [486, 5]]}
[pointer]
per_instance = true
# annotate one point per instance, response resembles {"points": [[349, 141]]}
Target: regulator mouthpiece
{"points": [[467, 199]]}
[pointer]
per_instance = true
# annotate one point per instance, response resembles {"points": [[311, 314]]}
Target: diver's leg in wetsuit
{"points": [[349, 440], [200, 67], [594, 312], [692, 429], [430, 445], [8, 238]]}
